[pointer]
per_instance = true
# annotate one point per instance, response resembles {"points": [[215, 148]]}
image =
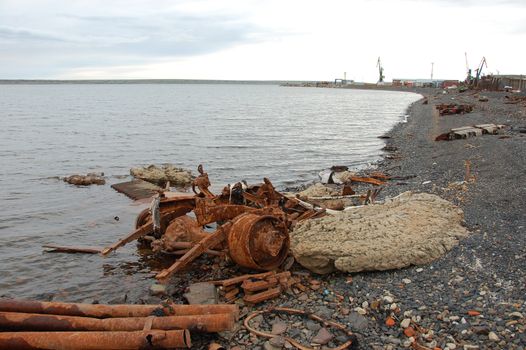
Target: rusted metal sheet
{"points": [[95, 340], [262, 296], [258, 242], [106, 311], [15, 321]]}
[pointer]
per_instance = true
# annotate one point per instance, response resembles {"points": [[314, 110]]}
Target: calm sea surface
{"points": [[236, 131]]}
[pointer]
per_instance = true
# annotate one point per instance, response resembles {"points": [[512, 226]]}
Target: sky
{"points": [[259, 39]]}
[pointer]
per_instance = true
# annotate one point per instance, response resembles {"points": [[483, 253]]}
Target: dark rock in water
{"points": [[86, 180]]}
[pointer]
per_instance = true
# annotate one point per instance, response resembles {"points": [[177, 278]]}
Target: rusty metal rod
{"points": [[95, 340], [145, 229], [15, 321], [106, 311], [210, 241]]}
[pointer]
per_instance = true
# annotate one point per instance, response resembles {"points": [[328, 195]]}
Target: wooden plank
{"points": [[137, 189]]}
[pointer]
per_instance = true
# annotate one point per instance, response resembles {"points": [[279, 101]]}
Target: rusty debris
{"points": [[28, 324], [470, 131], [252, 224], [256, 287], [112, 311], [153, 339], [453, 108]]}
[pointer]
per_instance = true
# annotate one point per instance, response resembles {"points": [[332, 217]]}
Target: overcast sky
{"points": [[260, 39]]}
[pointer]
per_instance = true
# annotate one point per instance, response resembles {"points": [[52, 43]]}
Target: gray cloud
{"points": [[96, 40]]}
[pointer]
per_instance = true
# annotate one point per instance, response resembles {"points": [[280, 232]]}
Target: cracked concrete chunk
{"points": [[410, 229]]}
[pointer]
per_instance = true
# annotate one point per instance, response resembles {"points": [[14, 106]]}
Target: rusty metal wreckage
{"points": [[253, 224]]}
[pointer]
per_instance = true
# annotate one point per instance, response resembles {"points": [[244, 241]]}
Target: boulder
{"points": [[86, 180], [410, 229], [160, 175]]}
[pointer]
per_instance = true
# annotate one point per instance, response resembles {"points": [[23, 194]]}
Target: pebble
{"points": [[419, 269], [277, 342], [406, 280], [360, 310], [405, 323], [516, 314], [388, 299], [323, 337], [157, 289], [493, 336], [451, 346], [279, 328]]}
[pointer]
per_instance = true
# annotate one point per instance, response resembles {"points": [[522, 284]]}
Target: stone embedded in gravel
{"points": [[357, 321], [493, 336], [277, 342], [323, 337], [406, 281], [279, 328], [516, 314], [360, 310], [451, 346], [312, 326], [412, 228], [405, 323], [388, 299]]}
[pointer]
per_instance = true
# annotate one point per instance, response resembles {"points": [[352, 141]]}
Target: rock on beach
{"points": [[410, 229], [160, 175]]}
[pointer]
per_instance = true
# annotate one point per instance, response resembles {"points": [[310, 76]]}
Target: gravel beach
{"points": [[474, 296]]}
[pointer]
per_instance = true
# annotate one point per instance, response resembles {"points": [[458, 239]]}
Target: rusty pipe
{"points": [[95, 340], [14, 321], [106, 311]]}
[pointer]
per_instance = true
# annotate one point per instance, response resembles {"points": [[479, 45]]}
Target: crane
{"points": [[469, 78], [479, 69], [380, 71]]}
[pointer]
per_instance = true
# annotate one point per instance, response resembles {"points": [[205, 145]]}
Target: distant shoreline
{"points": [[144, 81]]}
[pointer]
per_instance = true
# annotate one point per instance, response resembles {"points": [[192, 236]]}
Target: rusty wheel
{"points": [[142, 218]]}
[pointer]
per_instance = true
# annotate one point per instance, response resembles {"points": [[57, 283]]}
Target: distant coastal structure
{"points": [[435, 83]]}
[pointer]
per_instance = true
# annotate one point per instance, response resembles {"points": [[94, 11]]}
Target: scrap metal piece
{"points": [[213, 323], [95, 340], [210, 241], [258, 241], [202, 182], [262, 296], [118, 310]]}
